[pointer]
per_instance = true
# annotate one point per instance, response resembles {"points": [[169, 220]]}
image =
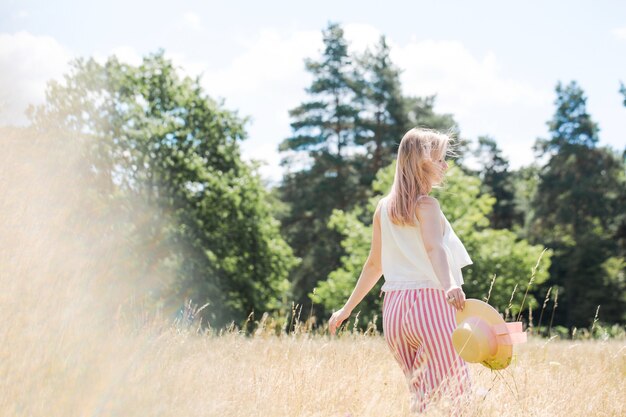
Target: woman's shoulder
{"points": [[428, 209], [428, 201], [380, 205]]}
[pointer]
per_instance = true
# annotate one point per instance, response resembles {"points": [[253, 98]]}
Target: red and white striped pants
{"points": [[418, 326]]}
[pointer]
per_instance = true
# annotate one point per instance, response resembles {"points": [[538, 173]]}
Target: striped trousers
{"points": [[418, 326]]}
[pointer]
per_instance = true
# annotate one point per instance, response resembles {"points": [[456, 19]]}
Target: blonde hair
{"points": [[417, 171]]}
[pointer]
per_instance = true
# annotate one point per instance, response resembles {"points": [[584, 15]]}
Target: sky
{"points": [[493, 65]]}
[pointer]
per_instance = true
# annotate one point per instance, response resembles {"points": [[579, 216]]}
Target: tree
{"points": [[384, 118], [576, 205], [323, 128], [524, 180], [496, 181], [154, 138], [326, 125]]}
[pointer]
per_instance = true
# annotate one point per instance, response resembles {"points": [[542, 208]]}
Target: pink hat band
{"points": [[476, 340], [509, 333]]}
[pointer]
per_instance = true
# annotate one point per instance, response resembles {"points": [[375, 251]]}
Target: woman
{"points": [[419, 254]]}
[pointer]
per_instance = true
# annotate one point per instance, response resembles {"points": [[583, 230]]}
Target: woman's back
{"points": [[405, 261]]}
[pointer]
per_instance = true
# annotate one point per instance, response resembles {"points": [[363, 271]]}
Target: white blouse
{"points": [[405, 262]]}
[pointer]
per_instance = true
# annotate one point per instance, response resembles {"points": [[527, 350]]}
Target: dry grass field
{"points": [[72, 346], [58, 368]]}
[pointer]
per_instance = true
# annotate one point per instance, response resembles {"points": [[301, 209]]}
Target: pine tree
{"points": [[575, 207], [384, 119], [325, 126], [420, 112], [497, 181], [324, 129]]}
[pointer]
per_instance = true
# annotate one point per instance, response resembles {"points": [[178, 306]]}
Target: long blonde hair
{"points": [[417, 171]]}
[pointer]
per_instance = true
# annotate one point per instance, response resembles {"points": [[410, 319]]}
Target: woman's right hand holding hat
{"points": [[456, 297]]}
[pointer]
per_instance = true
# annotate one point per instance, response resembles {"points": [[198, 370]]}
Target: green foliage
{"points": [[155, 138], [497, 252], [524, 180], [501, 254], [497, 181], [386, 114], [383, 117], [604, 331], [335, 290], [571, 124], [578, 212], [494, 252], [311, 195]]}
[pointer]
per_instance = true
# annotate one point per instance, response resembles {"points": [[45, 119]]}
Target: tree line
{"points": [[506, 218], [230, 244]]}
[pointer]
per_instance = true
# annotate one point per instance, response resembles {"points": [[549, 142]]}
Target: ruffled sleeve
{"points": [[456, 253]]}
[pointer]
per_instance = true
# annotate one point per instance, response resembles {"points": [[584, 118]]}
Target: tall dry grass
{"points": [[77, 342]]}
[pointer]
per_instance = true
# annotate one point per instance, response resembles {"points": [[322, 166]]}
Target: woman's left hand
{"points": [[337, 318]]}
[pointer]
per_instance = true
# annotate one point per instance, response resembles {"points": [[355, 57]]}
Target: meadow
{"points": [[60, 368], [77, 340]]}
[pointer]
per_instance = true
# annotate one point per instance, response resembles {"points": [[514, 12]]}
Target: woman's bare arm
{"points": [[429, 216], [370, 274], [372, 269]]}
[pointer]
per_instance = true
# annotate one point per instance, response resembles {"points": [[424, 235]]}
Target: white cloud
{"points": [[125, 54], [476, 91], [186, 66], [264, 82], [620, 33], [360, 36], [269, 79], [27, 62], [192, 20], [449, 69], [271, 62]]}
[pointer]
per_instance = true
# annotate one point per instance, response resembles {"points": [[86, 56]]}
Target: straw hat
{"points": [[482, 335]]}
